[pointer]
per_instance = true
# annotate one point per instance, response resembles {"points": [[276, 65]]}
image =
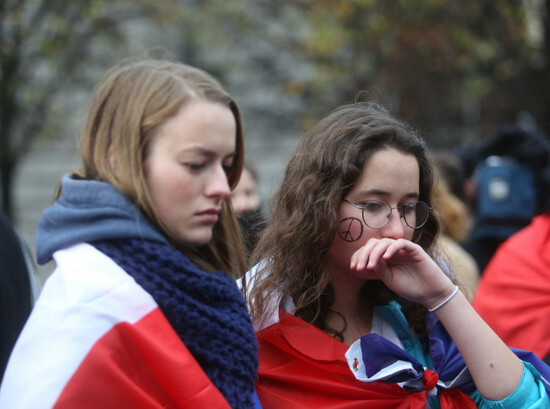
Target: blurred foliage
{"points": [[427, 57], [47, 48], [455, 69]]}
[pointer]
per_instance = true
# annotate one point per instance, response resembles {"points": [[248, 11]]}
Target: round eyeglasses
{"points": [[377, 213]]}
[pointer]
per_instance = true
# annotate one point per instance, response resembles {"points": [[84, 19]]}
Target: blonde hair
{"points": [[451, 210], [127, 108]]}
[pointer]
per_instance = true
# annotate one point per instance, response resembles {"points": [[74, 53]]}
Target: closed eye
{"points": [[227, 166], [373, 206], [195, 166]]}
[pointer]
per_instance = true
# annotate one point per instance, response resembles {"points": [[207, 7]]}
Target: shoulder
{"points": [[538, 231], [85, 298], [85, 275], [252, 279]]}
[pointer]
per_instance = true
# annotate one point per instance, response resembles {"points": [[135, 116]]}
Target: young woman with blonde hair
{"points": [[142, 309]]}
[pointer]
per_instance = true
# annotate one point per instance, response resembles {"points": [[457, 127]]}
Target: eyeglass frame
{"points": [[390, 214]]}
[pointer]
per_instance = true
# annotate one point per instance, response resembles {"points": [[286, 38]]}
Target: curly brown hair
{"points": [[304, 212]]}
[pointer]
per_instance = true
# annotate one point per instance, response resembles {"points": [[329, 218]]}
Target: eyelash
{"points": [[195, 166], [199, 166]]}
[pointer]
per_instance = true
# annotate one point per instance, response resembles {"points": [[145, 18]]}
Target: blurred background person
{"points": [[452, 169], [509, 187], [513, 295], [247, 205], [245, 197], [18, 288], [455, 225]]}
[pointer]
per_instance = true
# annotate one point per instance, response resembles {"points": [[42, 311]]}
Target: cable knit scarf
{"points": [[206, 310]]}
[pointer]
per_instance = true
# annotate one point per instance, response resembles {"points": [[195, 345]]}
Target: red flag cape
{"points": [[513, 296], [151, 368], [303, 367], [96, 339]]}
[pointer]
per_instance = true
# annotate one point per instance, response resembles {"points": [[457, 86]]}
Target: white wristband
{"points": [[445, 301]]}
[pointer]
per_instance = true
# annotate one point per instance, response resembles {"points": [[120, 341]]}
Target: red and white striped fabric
{"points": [[97, 339]]}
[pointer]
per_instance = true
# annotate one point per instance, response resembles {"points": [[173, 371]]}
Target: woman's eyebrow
{"points": [[379, 192], [373, 192], [412, 195], [200, 150]]}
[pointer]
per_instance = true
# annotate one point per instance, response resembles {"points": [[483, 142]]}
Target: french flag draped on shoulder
{"points": [[107, 329], [375, 359], [303, 367]]}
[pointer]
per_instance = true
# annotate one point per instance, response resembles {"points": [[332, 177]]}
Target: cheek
{"points": [[350, 229], [168, 189], [351, 235]]}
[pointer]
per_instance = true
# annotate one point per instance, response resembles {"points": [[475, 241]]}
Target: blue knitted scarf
{"points": [[206, 309]]}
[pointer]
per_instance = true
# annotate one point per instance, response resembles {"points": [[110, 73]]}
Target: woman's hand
{"points": [[409, 271], [405, 268]]}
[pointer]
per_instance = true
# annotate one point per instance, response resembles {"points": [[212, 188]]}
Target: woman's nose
{"points": [[395, 228], [218, 184]]}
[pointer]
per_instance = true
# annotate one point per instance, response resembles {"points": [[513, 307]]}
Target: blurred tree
{"points": [[45, 48], [455, 69], [444, 65]]}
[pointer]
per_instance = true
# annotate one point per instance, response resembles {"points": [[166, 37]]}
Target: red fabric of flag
{"points": [[303, 367]]}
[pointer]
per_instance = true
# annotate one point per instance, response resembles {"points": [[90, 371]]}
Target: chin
{"points": [[199, 239]]}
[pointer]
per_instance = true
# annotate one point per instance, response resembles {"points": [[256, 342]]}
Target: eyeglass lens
{"points": [[376, 214]]}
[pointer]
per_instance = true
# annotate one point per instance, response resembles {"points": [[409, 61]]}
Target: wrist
{"points": [[450, 295]]}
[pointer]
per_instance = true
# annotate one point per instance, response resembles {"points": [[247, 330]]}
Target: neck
{"points": [[348, 304]]}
